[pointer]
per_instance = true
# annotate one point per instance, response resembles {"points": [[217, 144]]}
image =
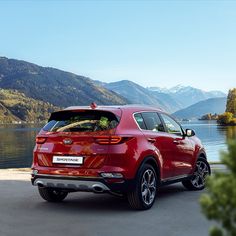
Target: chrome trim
{"points": [[159, 113], [175, 178], [69, 176], [78, 185], [139, 112]]}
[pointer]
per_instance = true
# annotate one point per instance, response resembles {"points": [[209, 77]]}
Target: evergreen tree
{"points": [[231, 102], [220, 202]]}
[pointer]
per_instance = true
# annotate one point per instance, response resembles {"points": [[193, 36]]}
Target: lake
{"points": [[17, 141]]}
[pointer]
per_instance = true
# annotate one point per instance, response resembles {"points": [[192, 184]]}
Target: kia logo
{"points": [[67, 141]]}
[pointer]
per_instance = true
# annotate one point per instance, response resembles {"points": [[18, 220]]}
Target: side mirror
{"points": [[189, 132]]}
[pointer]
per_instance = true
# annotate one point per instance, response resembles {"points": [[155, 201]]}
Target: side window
{"points": [[152, 121], [140, 121], [172, 126]]}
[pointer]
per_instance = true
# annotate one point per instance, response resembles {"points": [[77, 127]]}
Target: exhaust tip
{"points": [[39, 183], [97, 188]]}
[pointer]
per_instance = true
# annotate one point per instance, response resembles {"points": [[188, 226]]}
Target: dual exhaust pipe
{"points": [[96, 188]]}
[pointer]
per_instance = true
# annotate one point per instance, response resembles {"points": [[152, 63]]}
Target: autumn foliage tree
{"points": [[229, 117], [225, 118]]}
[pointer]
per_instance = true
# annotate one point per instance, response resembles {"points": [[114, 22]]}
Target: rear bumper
{"points": [[69, 183]]}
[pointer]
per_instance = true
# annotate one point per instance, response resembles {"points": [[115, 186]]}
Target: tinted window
{"points": [[140, 121], [172, 126], [81, 121], [152, 121]]}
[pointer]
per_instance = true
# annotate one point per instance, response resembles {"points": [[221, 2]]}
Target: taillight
{"points": [[40, 140], [111, 139]]}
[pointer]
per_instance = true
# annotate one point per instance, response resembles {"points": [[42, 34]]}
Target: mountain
{"points": [[171, 100], [51, 85], [16, 107], [6, 116], [43, 89], [137, 94], [212, 105], [187, 95], [166, 101], [132, 91]]}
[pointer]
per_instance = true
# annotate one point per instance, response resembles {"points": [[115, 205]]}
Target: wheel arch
{"points": [[153, 162], [202, 154]]}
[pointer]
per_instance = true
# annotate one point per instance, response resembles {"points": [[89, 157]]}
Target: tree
{"points": [[231, 102], [225, 118], [208, 116], [220, 202], [229, 117]]}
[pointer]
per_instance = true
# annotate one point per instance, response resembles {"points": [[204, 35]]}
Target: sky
{"points": [[152, 43]]}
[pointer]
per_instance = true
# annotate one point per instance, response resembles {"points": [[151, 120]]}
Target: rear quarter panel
{"points": [[137, 149]]}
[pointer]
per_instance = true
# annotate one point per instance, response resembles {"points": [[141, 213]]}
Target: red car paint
{"points": [[122, 149]]}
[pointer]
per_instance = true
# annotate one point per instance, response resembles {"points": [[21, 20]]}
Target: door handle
{"points": [[176, 141], [151, 140]]}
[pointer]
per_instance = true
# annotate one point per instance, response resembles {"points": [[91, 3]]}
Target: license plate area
{"points": [[69, 160]]}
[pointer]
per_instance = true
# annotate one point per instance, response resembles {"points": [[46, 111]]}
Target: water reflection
{"points": [[229, 132], [16, 145], [213, 136], [17, 141]]}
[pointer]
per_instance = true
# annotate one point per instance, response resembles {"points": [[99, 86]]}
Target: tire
{"points": [[198, 180], [52, 195], [142, 197]]}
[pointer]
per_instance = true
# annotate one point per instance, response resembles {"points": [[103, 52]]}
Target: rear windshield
{"points": [[81, 121]]}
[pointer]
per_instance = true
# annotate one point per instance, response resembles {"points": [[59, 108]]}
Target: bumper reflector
{"points": [[34, 172], [112, 175]]}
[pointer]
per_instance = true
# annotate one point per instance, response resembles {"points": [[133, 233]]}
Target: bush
{"points": [[233, 121], [225, 118], [220, 202]]}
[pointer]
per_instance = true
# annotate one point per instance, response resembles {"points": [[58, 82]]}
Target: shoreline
{"points": [[22, 169], [15, 174], [24, 174]]}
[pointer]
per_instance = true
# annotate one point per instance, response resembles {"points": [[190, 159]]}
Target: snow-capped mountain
{"points": [[187, 95], [158, 89], [137, 94]]}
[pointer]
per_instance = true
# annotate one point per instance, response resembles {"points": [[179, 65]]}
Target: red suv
{"points": [[123, 150]]}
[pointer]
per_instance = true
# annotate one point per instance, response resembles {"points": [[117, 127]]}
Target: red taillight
{"points": [[115, 139], [111, 139], [40, 140]]}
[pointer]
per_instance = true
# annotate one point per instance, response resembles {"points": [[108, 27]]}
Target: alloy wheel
{"points": [[148, 186], [199, 177]]}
